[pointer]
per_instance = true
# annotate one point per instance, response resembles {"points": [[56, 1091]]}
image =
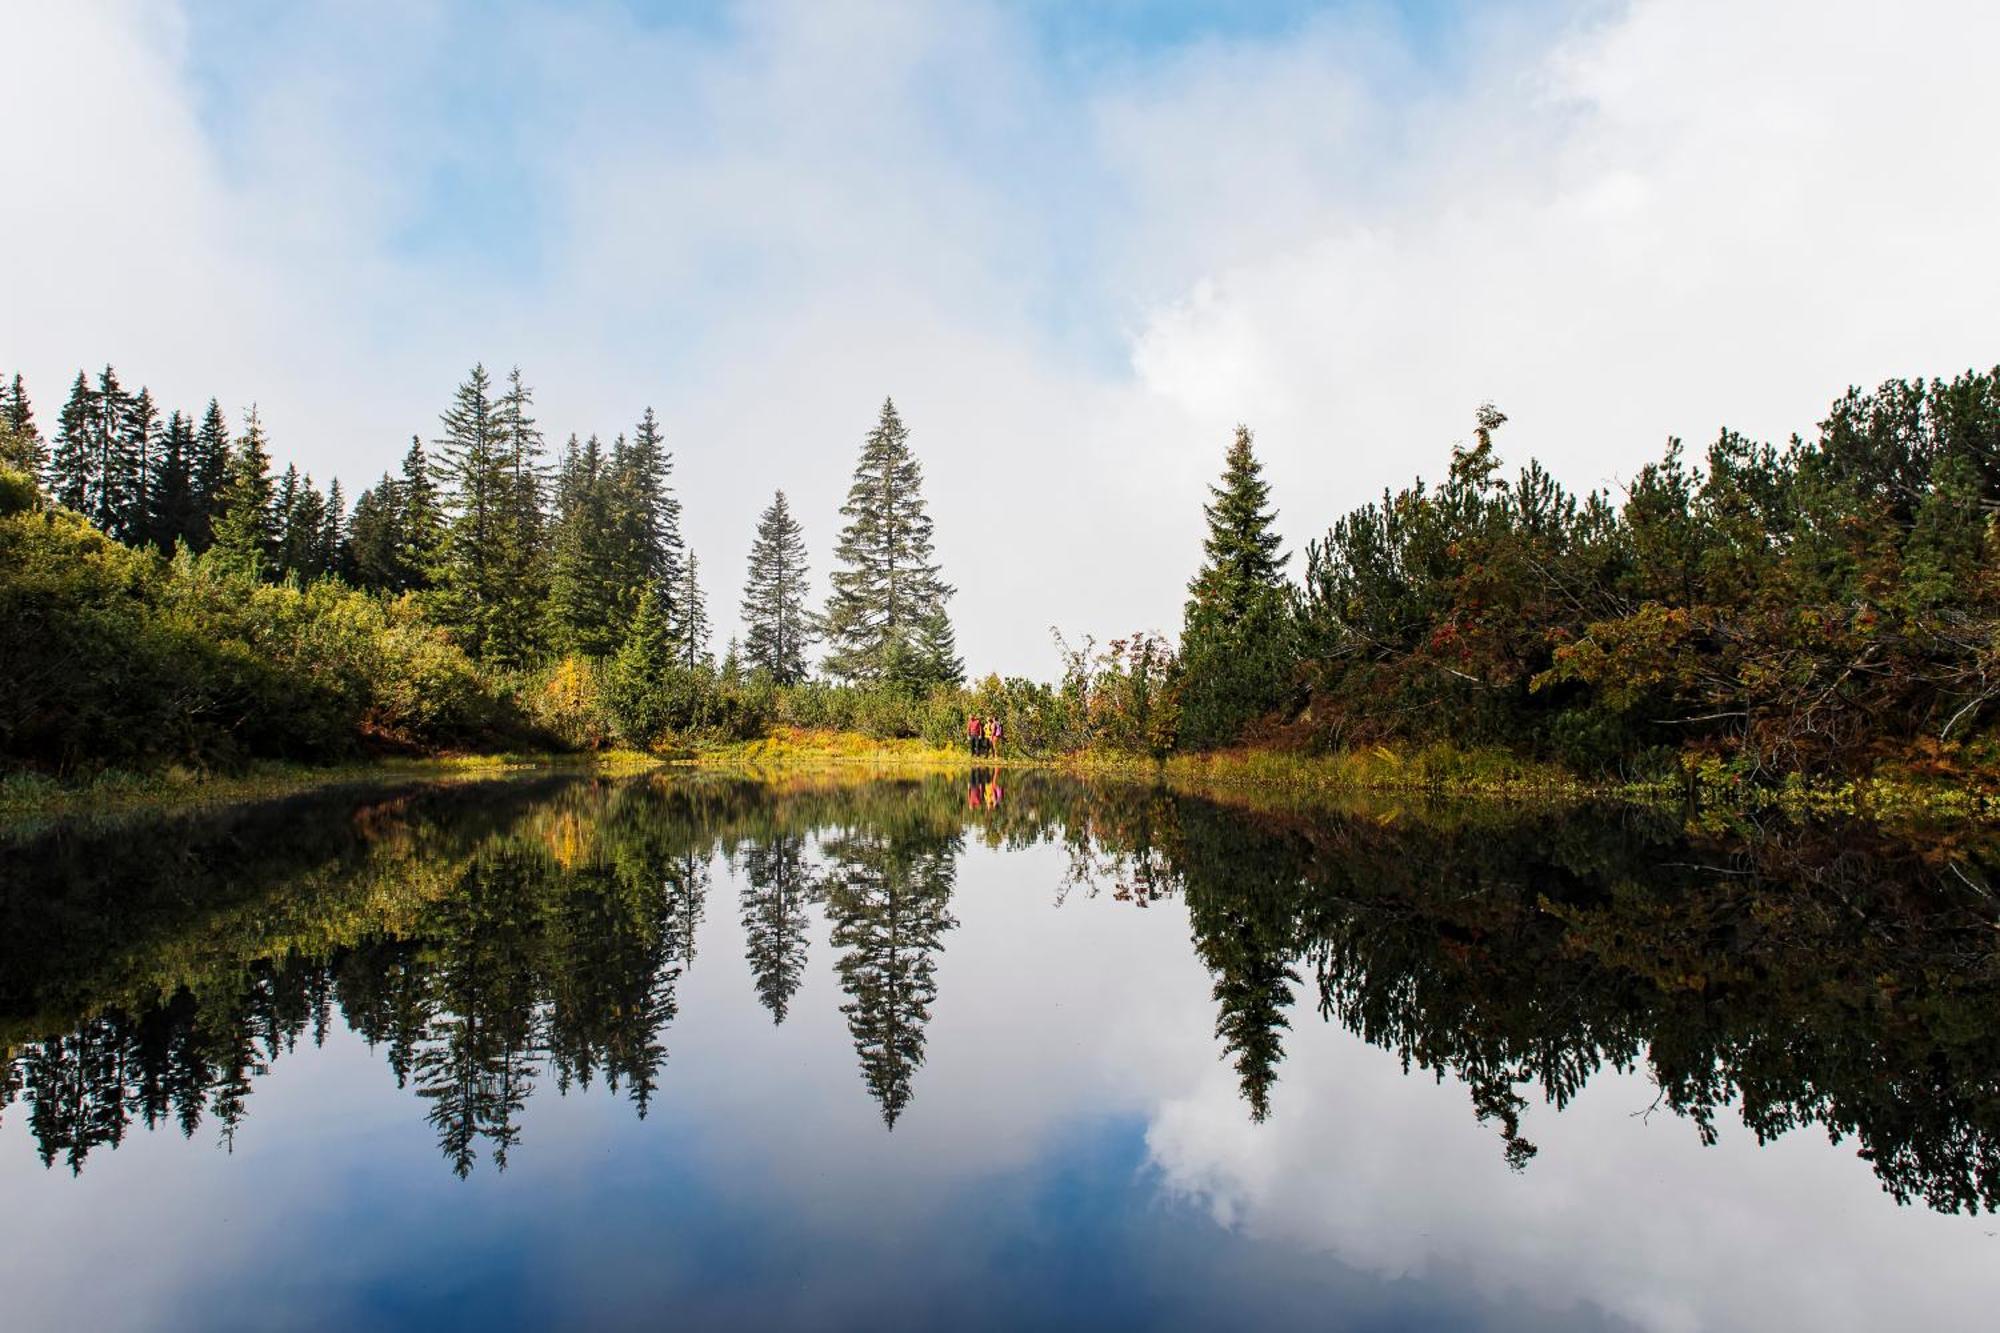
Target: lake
{"points": [[1012, 1051]]}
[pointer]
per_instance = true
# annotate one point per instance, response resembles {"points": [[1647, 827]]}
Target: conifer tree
{"points": [[777, 624], [420, 531], [1236, 637], [632, 680], [691, 629], [473, 482], [333, 557], [211, 475], [522, 586], [94, 469], [374, 533], [584, 609], [140, 429], [25, 448], [70, 468], [780, 887], [886, 620], [647, 517], [287, 549], [174, 508], [246, 531]]}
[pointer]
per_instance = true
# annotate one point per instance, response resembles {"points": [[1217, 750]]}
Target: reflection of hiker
{"points": [[992, 795], [975, 735]]}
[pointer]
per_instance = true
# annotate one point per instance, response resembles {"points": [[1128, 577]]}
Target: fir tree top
{"points": [[1244, 557]]}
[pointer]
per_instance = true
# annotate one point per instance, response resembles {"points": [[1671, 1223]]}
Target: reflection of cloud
{"points": [[1391, 1173]]}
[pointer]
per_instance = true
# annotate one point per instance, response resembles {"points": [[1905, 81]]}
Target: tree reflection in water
{"points": [[489, 940]]}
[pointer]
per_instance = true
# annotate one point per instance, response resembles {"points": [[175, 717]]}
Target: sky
{"points": [[1077, 244]]}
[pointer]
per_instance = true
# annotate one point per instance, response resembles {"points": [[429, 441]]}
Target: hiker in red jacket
{"points": [[975, 735]]}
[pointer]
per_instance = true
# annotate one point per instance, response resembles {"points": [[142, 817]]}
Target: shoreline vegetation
{"points": [[1812, 628], [1255, 778]]}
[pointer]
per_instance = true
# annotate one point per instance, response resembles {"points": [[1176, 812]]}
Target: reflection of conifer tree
{"points": [[76, 1092], [687, 895], [1242, 893], [889, 897], [237, 1064], [477, 1066], [612, 982], [774, 901], [10, 1080], [385, 997]]}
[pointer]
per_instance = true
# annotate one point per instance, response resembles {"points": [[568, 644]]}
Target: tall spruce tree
{"points": [[333, 553], [420, 532], [374, 549], [211, 475], [141, 431], [886, 619], [96, 468], [487, 473], [778, 626], [174, 505], [475, 486], [246, 531], [523, 574], [691, 628], [647, 516], [24, 448], [1237, 654], [584, 600]]}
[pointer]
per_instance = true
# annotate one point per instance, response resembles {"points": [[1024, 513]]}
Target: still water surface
{"points": [[715, 1053]]}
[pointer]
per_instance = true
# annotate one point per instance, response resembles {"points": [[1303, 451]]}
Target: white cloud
{"points": [[1668, 217]]}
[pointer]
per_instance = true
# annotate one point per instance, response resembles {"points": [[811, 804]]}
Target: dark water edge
{"points": [[497, 984]]}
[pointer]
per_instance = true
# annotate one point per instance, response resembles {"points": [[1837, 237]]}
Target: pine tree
{"points": [[886, 620], [211, 475], [139, 445], [21, 444], [1237, 654], [374, 546], [420, 533], [173, 505], [95, 469], [778, 626], [474, 482], [775, 900], [70, 464], [522, 585], [246, 531], [632, 680], [333, 554], [647, 517], [691, 629], [584, 608]]}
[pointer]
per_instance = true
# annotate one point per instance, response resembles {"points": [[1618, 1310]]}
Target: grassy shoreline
{"points": [[29, 795], [1272, 776]]}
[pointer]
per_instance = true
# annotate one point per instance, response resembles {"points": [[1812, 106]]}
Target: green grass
{"points": [[32, 794]]}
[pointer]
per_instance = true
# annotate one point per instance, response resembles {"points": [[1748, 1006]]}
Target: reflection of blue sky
{"points": [[1075, 1155]]}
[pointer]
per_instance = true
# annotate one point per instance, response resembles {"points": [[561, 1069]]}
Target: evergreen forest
{"points": [[1751, 613]]}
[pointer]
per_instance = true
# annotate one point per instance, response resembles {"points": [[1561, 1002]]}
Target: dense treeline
{"points": [[1824, 607], [178, 602], [1821, 606]]}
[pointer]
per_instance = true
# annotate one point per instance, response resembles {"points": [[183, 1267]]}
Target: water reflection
{"points": [[492, 943]]}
